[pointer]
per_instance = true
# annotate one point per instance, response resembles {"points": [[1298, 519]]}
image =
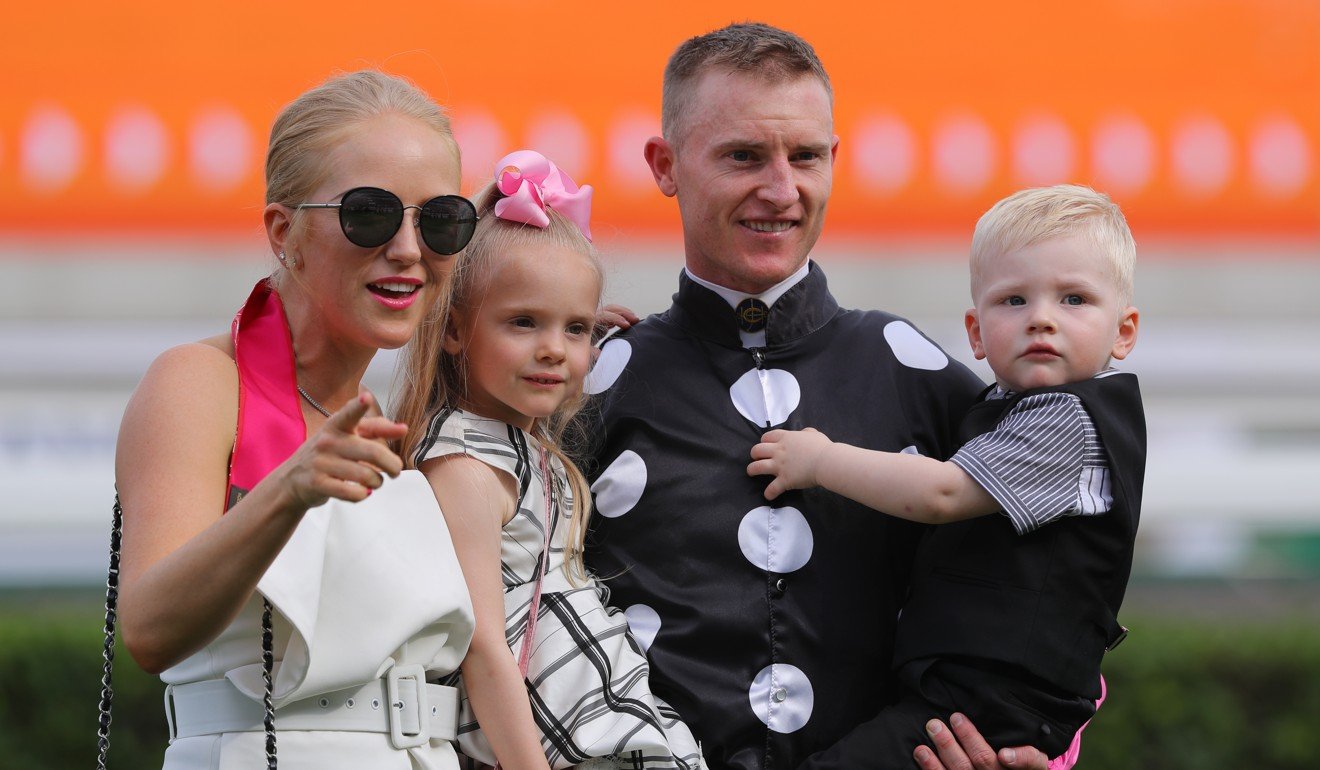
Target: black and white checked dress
{"points": [[587, 677]]}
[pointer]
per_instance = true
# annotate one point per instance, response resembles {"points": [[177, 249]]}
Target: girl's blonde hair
{"points": [[433, 379]]}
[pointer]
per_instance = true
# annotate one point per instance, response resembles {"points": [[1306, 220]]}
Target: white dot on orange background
{"points": [[1281, 157], [884, 154], [1044, 152], [560, 137], [50, 150], [137, 149], [964, 154], [1202, 155], [628, 133], [1122, 154], [219, 149], [483, 141]]}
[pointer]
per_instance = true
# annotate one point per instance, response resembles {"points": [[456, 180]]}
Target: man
{"points": [[770, 629]]}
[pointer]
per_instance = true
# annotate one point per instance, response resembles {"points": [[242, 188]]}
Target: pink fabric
{"points": [[270, 421], [531, 183], [1069, 758]]}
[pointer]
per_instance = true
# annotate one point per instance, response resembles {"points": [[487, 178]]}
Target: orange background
{"points": [[1229, 67]]}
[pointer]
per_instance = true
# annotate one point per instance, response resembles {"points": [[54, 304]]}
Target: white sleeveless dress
{"points": [[360, 587]]}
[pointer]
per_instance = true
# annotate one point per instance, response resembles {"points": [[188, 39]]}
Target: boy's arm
{"points": [[908, 486]]}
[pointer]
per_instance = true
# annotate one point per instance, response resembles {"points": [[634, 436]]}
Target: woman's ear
{"points": [[278, 219], [1128, 321]]}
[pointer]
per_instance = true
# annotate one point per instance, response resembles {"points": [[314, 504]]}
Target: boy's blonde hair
{"points": [[433, 379], [1028, 217]]}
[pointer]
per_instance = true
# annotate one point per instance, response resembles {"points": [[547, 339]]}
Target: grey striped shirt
{"points": [[1042, 461]]}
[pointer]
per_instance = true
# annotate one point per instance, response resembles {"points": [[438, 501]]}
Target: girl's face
{"points": [[527, 341], [374, 297]]}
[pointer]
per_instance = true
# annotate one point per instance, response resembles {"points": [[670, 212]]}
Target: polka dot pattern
{"points": [[52, 150], [619, 488], [627, 136], [766, 397], [611, 362], [484, 141], [782, 697], [884, 154], [219, 149], [1280, 157], [913, 350], [1200, 161], [560, 135], [776, 539], [1123, 154], [1043, 152], [137, 150], [1203, 156], [644, 623], [964, 154]]}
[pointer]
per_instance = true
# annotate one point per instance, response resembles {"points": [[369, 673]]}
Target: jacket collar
{"points": [[801, 310]]}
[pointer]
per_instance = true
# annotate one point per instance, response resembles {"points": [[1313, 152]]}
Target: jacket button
{"points": [[781, 585]]}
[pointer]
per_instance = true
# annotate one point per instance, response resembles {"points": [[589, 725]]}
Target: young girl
{"points": [[552, 678]]}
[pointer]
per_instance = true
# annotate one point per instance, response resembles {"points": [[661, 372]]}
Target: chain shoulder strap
{"points": [[268, 666], [108, 650]]}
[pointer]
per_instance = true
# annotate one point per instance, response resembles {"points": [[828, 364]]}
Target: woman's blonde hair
{"points": [[309, 127], [433, 379], [306, 129]]}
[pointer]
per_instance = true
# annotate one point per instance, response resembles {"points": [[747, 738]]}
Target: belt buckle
{"points": [[398, 738]]}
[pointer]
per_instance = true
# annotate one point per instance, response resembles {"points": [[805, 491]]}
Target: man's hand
{"points": [[965, 749], [791, 456]]}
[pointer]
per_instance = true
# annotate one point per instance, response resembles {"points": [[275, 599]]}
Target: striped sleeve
{"points": [[1044, 460]]}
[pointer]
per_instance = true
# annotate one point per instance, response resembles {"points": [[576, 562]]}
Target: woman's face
{"points": [[374, 297]]}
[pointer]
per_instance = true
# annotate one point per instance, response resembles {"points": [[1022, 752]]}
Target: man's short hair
{"points": [[751, 47], [1030, 216]]}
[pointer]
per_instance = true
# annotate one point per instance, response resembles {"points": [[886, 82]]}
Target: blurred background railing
{"points": [[131, 145]]}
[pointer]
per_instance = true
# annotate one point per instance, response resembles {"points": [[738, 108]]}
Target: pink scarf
{"points": [[270, 421]]}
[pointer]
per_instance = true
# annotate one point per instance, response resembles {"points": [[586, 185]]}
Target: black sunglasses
{"points": [[370, 216]]}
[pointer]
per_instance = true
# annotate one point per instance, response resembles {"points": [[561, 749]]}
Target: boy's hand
{"points": [[791, 456]]}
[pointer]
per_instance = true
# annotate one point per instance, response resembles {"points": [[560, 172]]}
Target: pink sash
{"points": [[270, 421]]}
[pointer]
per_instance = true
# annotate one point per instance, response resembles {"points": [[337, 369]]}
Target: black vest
{"points": [[1046, 602]]}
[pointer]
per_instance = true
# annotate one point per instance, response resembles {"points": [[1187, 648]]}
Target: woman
{"points": [[304, 506]]}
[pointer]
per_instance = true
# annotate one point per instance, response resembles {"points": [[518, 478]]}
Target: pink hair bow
{"points": [[532, 182]]}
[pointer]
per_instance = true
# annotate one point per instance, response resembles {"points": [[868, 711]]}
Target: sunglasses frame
{"points": [[344, 226]]}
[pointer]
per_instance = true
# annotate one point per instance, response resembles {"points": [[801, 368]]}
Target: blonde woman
{"points": [[255, 478]]}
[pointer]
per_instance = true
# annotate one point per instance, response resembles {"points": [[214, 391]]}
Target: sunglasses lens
{"points": [[370, 217], [447, 223]]}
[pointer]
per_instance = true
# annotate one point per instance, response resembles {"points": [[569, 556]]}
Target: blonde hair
{"points": [[309, 127], [773, 53], [434, 380], [1030, 216]]}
